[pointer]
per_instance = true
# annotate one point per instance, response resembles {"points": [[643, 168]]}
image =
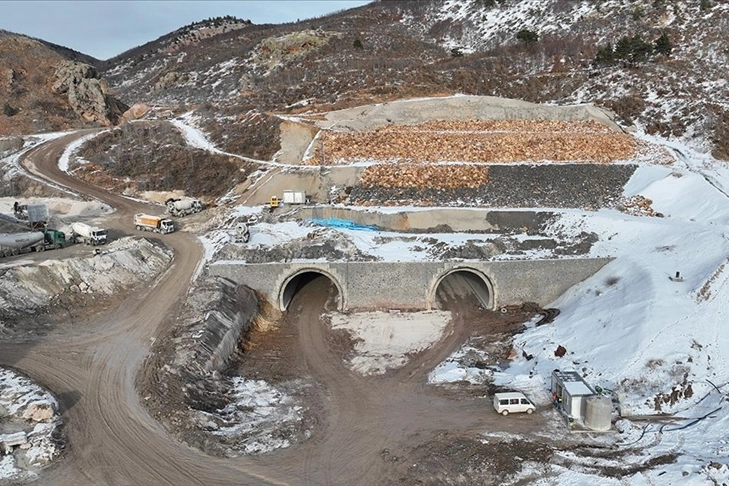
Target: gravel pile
{"points": [[589, 186]]}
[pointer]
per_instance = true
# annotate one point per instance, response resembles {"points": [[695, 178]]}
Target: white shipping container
{"points": [[291, 196]]}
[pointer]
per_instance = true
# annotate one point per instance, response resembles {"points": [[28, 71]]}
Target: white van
{"points": [[512, 402]]}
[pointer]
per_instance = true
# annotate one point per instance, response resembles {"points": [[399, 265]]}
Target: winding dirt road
{"points": [[112, 439]]}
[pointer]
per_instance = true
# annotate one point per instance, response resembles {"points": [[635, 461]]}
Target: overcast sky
{"points": [[104, 29]]}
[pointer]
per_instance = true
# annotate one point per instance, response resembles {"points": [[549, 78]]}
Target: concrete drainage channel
{"points": [[436, 220]]}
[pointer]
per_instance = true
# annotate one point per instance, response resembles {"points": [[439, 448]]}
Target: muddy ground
{"points": [[411, 432]]}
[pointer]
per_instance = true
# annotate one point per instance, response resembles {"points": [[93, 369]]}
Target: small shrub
{"points": [[663, 45], [605, 56], [527, 36], [9, 110], [654, 363], [611, 281]]}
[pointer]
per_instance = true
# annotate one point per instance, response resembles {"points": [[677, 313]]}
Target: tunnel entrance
{"points": [[461, 285], [298, 281]]}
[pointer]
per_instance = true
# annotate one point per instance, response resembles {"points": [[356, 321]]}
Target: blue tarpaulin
{"points": [[342, 224]]}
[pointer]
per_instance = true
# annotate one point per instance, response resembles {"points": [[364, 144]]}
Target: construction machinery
{"points": [[89, 235], [16, 243], [183, 206], [157, 224], [34, 215]]}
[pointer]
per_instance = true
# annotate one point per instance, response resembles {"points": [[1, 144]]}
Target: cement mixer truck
{"points": [[89, 235], [183, 207], [16, 243]]}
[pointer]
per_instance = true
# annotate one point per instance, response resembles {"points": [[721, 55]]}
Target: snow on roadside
{"points": [[10, 164], [383, 340], [453, 370], [65, 159]]}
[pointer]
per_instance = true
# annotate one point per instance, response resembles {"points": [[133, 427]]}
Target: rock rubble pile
{"points": [[29, 424], [477, 141]]}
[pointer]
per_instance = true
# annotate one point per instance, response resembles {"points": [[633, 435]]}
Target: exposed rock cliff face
{"points": [[87, 94]]}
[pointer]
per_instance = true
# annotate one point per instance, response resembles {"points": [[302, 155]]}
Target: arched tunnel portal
{"points": [[461, 282], [298, 280]]}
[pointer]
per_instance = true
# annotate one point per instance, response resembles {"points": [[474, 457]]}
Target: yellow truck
{"points": [[145, 222]]}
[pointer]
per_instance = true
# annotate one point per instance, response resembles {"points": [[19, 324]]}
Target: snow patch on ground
{"points": [[65, 159], [383, 340], [256, 408]]}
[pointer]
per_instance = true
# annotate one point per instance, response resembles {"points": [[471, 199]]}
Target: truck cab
{"points": [[166, 226], [99, 236], [54, 237]]}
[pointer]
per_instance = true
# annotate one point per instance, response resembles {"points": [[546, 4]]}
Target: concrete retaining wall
{"points": [[413, 285]]}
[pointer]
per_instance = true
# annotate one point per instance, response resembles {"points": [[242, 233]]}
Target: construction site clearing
{"points": [[234, 376]]}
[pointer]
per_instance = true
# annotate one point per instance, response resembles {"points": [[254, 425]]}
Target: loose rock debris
{"points": [[477, 141], [31, 413], [637, 206]]}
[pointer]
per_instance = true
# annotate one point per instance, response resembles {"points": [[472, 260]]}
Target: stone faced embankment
{"points": [[413, 285]]}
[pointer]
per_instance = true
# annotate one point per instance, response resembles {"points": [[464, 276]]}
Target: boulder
{"points": [[40, 411], [137, 111], [10, 144]]}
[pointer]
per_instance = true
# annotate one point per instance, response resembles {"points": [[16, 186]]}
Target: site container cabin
{"points": [[571, 393], [294, 196]]}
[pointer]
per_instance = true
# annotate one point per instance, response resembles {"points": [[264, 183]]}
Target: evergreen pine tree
{"points": [[663, 45], [605, 56]]}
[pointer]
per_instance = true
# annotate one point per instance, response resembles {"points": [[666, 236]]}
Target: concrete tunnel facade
{"points": [[414, 285]]}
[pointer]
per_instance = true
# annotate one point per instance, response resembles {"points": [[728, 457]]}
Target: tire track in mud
{"points": [[371, 416]]}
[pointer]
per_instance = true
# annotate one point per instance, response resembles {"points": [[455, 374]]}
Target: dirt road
{"points": [[112, 439]]}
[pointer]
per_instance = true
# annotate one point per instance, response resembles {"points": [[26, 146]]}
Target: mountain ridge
{"points": [[398, 49]]}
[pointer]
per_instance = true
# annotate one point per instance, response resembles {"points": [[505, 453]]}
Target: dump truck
{"points": [[183, 206], [145, 222], [16, 243], [89, 235]]}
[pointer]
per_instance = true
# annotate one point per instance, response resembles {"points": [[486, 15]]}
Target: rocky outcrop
{"points": [[169, 80], [87, 94]]}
